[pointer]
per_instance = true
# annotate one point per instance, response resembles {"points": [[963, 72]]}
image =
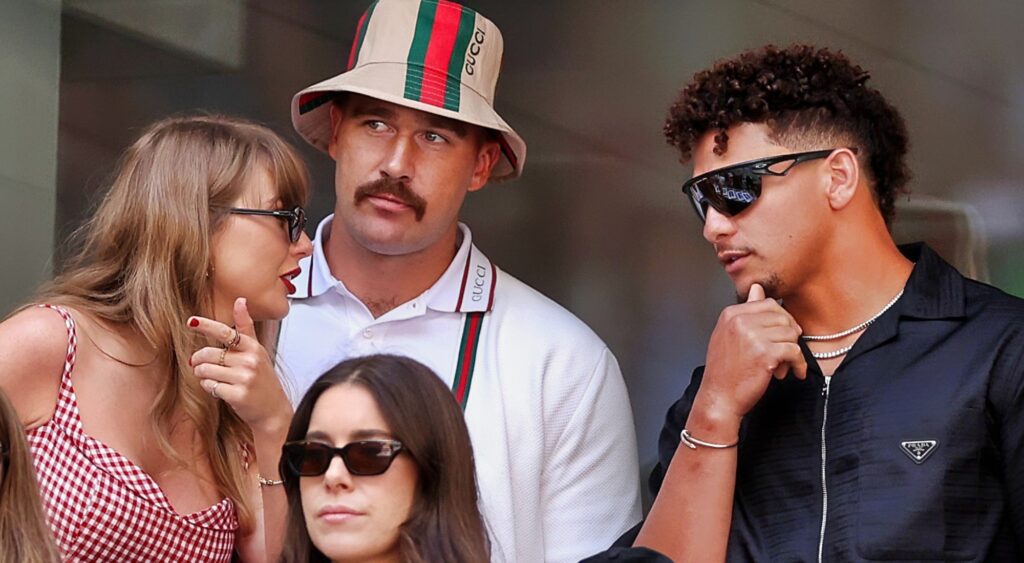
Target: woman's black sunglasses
{"points": [[732, 189], [366, 457], [296, 218]]}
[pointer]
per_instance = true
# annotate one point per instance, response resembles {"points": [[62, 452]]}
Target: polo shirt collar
{"points": [[467, 285], [315, 278]]}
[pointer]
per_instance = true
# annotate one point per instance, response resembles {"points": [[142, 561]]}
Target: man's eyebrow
{"points": [[457, 127]]}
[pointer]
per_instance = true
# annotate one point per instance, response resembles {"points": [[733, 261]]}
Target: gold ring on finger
{"points": [[234, 340], [223, 353]]}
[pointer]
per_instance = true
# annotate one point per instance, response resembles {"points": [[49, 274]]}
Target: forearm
{"points": [[275, 504], [692, 514], [269, 501]]}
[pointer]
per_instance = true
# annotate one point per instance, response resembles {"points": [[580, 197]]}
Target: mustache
{"points": [[395, 188], [725, 247]]}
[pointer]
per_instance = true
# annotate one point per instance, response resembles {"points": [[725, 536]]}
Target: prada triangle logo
{"points": [[919, 450]]}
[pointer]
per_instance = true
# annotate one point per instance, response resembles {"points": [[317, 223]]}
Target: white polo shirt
{"points": [[547, 410]]}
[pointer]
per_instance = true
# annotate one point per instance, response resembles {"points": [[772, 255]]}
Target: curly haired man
{"points": [[862, 401]]}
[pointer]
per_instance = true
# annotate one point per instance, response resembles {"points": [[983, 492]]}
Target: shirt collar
{"points": [[315, 277], [467, 285], [935, 290]]}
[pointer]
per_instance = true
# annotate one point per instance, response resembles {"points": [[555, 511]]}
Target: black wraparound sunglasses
{"points": [[365, 457], [296, 218], [732, 189]]}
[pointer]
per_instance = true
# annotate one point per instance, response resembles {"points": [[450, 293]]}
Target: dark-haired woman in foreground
{"points": [[378, 467]]}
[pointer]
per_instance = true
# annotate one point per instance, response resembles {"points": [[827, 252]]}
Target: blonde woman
{"points": [[24, 536], [153, 410]]}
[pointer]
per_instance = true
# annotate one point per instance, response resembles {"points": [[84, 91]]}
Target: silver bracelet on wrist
{"points": [[692, 442], [264, 482]]}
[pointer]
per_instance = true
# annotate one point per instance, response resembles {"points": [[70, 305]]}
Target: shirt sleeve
{"points": [[622, 550], [591, 484], [1007, 397], [669, 439], [628, 555]]}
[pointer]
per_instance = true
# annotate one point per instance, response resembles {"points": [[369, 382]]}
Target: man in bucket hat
{"points": [[412, 129]]}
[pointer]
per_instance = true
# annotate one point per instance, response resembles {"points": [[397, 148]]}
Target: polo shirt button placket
{"points": [[366, 342]]}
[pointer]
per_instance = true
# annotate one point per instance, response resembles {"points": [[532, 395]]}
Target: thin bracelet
{"points": [[264, 482], [692, 442]]}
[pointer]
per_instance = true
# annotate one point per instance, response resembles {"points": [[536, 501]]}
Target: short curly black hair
{"points": [[809, 98]]}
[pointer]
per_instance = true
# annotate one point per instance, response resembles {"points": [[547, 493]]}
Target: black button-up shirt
{"points": [[913, 450]]}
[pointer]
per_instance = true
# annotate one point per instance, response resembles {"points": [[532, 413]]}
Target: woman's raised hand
{"points": [[240, 371]]}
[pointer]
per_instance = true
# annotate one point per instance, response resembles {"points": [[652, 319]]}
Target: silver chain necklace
{"points": [[832, 354], [835, 336]]}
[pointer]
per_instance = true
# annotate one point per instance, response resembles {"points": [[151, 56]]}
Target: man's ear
{"points": [[336, 117], [844, 178], [486, 158]]}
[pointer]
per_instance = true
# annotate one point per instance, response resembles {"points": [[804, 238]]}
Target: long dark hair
{"points": [[445, 523]]}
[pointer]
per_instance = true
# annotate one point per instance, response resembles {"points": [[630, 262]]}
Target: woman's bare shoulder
{"points": [[33, 347]]}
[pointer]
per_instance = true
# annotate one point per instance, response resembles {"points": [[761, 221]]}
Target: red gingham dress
{"points": [[103, 507]]}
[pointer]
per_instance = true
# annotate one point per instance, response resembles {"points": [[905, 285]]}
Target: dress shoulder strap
{"points": [[66, 413], [69, 323]]}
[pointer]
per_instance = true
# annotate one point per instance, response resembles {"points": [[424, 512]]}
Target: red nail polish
{"points": [[190, 361], [193, 322]]}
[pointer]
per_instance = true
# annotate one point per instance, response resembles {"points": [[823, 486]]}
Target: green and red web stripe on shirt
{"points": [[471, 329], [472, 326]]}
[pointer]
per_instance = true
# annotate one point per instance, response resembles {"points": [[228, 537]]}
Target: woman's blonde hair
{"points": [[145, 260], [24, 534]]}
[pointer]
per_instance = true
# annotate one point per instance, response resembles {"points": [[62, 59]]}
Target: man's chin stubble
{"points": [[772, 288]]}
